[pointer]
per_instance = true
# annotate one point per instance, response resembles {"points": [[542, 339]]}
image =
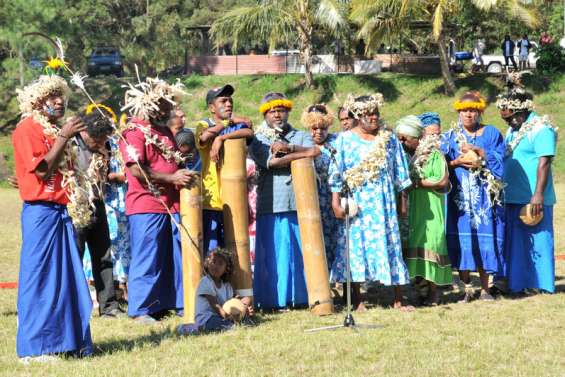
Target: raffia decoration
{"points": [[542, 121], [374, 163], [30, 95], [315, 118], [427, 145], [361, 108], [142, 99], [494, 186], [272, 134]]}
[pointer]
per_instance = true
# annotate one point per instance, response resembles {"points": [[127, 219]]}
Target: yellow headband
{"points": [[275, 103], [90, 108], [466, 105]]}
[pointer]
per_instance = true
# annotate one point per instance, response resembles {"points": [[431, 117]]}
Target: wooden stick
{"points": [[233, 177], [312, 236]]}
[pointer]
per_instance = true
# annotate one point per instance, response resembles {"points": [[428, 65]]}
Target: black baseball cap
{"points": [[223, 91]]}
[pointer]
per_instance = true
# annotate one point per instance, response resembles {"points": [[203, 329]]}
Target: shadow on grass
{"points": [[154, 339], [376, 84], [479, 82]]}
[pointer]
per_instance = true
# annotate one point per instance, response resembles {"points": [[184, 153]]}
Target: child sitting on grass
{"points": [[214, 290]]}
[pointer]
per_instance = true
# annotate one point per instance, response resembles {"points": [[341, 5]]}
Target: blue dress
{"points": [[475, 226], [374, 243], [333, 227], [115, 200]]}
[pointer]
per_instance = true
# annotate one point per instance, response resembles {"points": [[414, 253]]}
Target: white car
{"points": [[496, 63]]}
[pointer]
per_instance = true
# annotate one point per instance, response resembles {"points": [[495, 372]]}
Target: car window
{"points": [[105, 52]]}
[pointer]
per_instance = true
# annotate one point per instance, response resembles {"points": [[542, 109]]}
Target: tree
{"points": [[282, 21], [385, 17]]}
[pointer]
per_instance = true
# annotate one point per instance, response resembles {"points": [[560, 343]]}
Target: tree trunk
{"points": [[21, 61], [448, 82], [307, 56]]}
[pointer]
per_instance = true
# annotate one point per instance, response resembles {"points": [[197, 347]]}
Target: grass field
{"points": [[508, 337]]}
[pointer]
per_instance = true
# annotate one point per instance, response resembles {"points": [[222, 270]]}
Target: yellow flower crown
{"points": [[275, 103], [90, 108], [481, 105]]}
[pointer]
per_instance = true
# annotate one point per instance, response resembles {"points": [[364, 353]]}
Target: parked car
{"points": [[105, 60], [35, 63], [496, 63]]}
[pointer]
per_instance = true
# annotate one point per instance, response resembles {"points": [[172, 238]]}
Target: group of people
{"points": [[420, 204]]}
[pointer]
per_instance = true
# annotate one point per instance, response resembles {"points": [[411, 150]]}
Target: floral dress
{"points": [[475, 228], [333, 228], [374, 242], [115, 200]]}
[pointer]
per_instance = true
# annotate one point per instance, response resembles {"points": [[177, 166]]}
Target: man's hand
{"points": [[239, 119], [313, 152], [216, 149], [13, 181], [72, 127], [536, 204], [280, 147], [181, 178]]}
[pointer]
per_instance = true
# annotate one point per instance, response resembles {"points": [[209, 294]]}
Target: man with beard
{"points": [[152, 200], [529, 194], [279, 271], [210, 135], [54, 304]]}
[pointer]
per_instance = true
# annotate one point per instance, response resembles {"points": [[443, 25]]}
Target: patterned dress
{"points": [[475, 228], [333, 228], [374, 242], [115, 200]]}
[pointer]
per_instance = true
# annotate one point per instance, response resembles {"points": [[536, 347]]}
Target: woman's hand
{"points": [[536, 204], [338, 211]]}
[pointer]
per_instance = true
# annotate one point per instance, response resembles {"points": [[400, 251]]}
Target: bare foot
{"points": [[361, 308], [403, 308]]}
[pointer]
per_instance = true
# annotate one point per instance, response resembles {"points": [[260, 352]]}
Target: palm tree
{"points": [[282, 21], [382, 18]]}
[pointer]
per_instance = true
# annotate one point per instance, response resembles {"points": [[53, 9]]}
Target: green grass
{"points": [[521, 337], [404, 94], [508, 337]]}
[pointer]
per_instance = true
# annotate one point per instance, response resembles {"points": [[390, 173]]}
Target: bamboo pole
{"points": [[191, 239], [312, 236], [233, 176]]}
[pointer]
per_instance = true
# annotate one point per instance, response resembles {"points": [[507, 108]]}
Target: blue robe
{"points": [[54, 304], [475, 226], [155, 274]]}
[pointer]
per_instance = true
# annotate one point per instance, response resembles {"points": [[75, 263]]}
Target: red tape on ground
{"points": [[8, 285], [560, 257]]}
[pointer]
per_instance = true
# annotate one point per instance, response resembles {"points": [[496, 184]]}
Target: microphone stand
{"points": [[348, 321]]}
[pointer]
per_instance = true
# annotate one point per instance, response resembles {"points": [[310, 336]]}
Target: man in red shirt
{"points": [[54, 304], [154, 178]]}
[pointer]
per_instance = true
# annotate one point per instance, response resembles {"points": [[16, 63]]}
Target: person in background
{"points": [[186, 143], [176, 121], [318, 119], [91, 144], [346, 119], [508, 47], [524, 46], [211, 133], [431, 123]]}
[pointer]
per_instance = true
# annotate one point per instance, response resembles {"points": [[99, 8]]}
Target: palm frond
{"points": [[266, 21], [332, 14]]}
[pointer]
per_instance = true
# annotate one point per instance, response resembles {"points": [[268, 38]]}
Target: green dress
{"points": [[426, 249]]}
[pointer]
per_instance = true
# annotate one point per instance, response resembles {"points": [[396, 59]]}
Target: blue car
{"points": [[105, 61]]}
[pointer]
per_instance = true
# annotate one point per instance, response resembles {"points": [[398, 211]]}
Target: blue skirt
{"points": [[529, 251], [155, 273], [279, 270], [54, 304]]}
